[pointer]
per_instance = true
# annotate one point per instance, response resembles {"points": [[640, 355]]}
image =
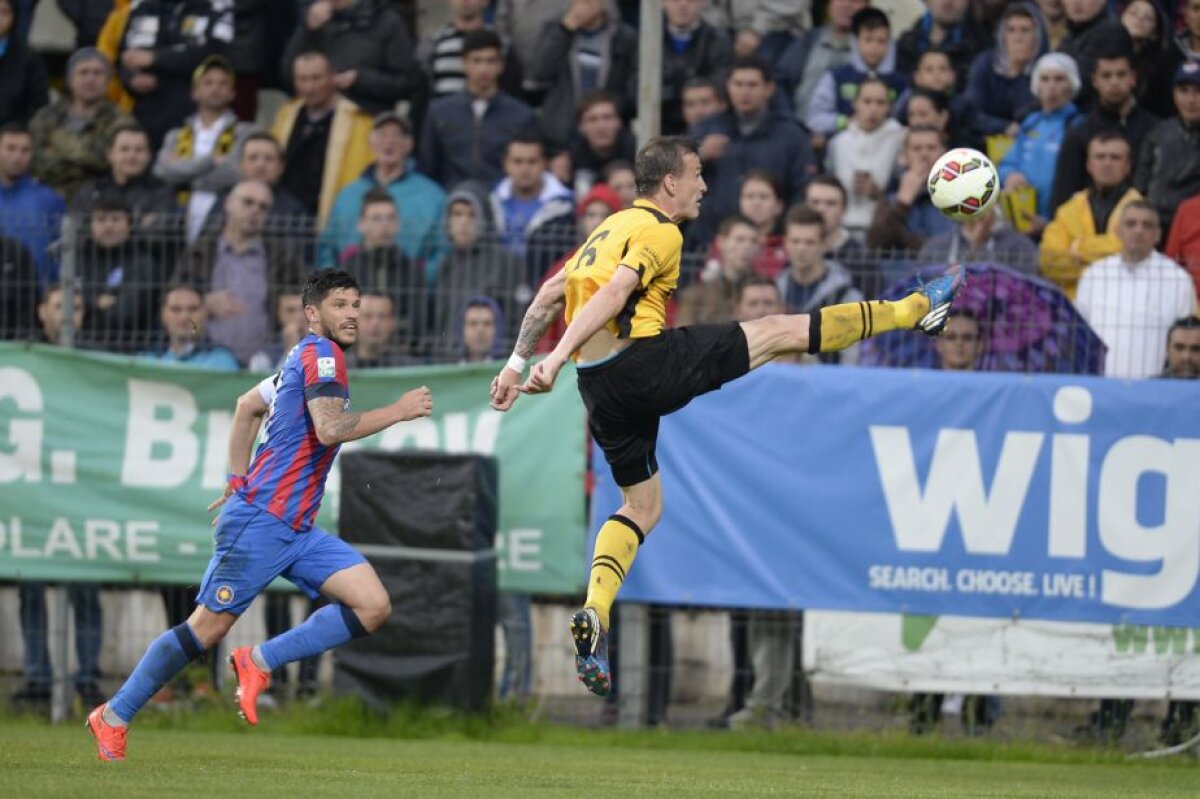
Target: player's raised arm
{"points": [[598, 311], [336, 425], [545, 308]]}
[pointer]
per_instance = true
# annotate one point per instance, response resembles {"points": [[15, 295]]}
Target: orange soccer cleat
{"points": [[110, 740], [252, 681]]}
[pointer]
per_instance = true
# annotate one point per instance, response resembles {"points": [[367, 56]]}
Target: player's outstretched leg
{"points": [[167, 656], [836, 327], [360, 606], [612, 556]]}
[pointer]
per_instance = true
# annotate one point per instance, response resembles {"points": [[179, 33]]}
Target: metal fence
{"points": [[1113, 321]]}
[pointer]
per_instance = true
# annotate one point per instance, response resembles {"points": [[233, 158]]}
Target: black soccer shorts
{"points": [[628, 393]]}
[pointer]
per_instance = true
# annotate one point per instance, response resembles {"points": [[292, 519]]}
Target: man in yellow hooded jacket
{"points": [[325, 136], [1084, 227]]}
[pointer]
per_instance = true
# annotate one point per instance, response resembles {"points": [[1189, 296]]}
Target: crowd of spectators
{"points": [[457, 166], [453, 172]]}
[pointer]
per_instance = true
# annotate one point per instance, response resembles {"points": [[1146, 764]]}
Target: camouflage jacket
{"points": [[66, 157]]}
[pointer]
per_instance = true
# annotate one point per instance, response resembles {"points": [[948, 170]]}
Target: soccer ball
{"points": [[963, 184]]}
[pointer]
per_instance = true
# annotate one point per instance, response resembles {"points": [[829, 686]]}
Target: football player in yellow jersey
{"points": [[632, 371]]}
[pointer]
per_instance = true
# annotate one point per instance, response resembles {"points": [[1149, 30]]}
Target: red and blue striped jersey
{"points": [[287, 476]]}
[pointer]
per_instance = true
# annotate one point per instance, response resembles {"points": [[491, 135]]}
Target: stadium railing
{"points": [[120, 290]]}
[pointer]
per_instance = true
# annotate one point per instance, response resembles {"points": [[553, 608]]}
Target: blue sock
{"points": [[332, 625], [165, 658]]}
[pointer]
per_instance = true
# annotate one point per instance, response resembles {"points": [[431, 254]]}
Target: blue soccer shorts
{"points": [[253, 548]]}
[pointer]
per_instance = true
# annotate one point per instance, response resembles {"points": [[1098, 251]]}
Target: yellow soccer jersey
{"points": [[644, 239]]}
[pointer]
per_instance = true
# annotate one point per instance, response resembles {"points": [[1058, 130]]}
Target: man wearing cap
{"points": [[419, 201], [1168, 168], [70, 136], [163, 43], [199, 159]]}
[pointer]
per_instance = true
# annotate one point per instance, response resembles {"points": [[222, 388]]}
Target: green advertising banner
{"points": [[107, 464]]}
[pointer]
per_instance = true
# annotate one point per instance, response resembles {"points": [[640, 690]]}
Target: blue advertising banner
{"points": [[927, 492]]}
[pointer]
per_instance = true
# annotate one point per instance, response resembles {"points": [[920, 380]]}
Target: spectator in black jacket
{"points": [[24, 87], [1168, 168], [947, 26], [748, 136], [255, 50], [464, 134], [18, 290], [1116, 108], [369, 46], [164, 42], [702, 98], [88, 17], [1091, 33], [129, 178], [588, 48], [381, 267], [600, 139], [120, 281], [691, 49], [1155, 57]]}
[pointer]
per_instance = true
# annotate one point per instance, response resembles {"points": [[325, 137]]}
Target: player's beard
{"points": [[334, 333], [341, 342]]}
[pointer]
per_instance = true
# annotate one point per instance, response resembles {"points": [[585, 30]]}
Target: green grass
{"points": [[342, 752]]}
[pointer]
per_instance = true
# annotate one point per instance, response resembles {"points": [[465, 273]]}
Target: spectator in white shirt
{"points": [[863, 156], [1131, 299]]}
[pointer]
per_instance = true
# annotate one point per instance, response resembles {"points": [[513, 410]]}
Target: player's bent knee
{"points": [[774, 335], [375, 611], [645, 512]]}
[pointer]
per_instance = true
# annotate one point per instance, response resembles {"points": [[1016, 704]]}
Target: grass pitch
{"points": [[210, 756]]}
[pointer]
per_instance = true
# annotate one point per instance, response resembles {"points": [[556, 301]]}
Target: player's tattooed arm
{"points": [[544, 309], [336, 425], [542, 312], [333, 423]]}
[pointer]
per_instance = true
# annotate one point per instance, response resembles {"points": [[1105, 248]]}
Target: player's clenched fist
{"points": [[416, 404]]}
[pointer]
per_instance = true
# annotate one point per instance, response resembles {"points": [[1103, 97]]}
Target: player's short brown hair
{"points": [[662, 156]]}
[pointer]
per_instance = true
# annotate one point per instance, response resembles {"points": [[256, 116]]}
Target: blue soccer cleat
{"points": [[941, 292], [591, 652]]}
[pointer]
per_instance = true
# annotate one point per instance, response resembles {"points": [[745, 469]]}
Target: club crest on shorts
{"points": [[224, 594], [325, 367]]}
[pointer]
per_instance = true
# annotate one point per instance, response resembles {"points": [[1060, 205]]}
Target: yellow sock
{"points": [[836, 327], [616, 546]]}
